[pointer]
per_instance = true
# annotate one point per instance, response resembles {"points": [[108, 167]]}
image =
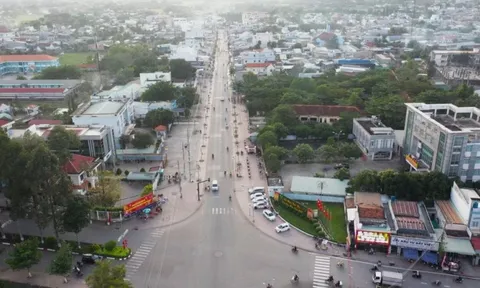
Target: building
{"points": [[38, 89], [95, 140], [257, 56], [467, 202], [313, 188], [82, 171], [322, 113], [260, 69], [443, 137], [129, 92], [443, 58], [148, 79], [14, 64], [116, 115], [262, 38], [374, 139], [373, 222], [250, 18], [140, 109]]}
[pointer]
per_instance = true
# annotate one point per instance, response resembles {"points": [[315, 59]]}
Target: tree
{"points": [[160, 91], [303, 131], [142, 140], [106, 191], [285, 115], [327, 152], [258, 45], [124, 75], [105, 275], [304, 152], [297, 46], [187, 98], [62, 141], [21, 77], [272, 162], [24, 255], [266, 139], [365, 181], [61, 72], [280, 152], [350, 151], [76, 216], [62, 263], [124, 140], [147, 189], [158, 117], [342, 174], [181, 69]]}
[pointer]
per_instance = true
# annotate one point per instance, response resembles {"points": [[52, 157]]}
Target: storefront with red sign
{"points": [[378, 241]]}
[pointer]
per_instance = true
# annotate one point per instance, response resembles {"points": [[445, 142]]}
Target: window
{"points": [[468, 148], [458, 141], [474, 224], [455, 159]]}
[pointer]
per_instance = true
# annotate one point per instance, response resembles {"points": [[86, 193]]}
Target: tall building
{"points": [[14, 64], [443, 137]]}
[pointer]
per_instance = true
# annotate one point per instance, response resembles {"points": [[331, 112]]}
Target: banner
{"points": [[292, 204], [138, 204]]}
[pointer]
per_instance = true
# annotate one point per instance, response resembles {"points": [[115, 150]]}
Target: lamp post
{"points": [[198, 187]]}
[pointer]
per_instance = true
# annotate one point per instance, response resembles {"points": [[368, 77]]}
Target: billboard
{"points": [[371, 237], [138, 204]]}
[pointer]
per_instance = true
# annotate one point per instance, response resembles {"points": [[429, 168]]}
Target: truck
{"points": [[388, 278]]}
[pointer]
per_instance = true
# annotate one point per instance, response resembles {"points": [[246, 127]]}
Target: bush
{"points": [[126, 172], [110, 245], [321, 234], [119, 172], [50, 243], [94, 247], [142, 170]]}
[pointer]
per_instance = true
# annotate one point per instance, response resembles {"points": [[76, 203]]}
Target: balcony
{"points": [[416, 164]]}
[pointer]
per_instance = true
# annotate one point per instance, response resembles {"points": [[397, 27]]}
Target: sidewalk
{"points": [[41, 279]]}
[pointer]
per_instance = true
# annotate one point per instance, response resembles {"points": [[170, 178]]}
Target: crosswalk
{"points": [[223, 211], [139, 256], [321, 271]]}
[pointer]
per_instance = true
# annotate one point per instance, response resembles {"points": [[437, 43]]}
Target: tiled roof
{"points": [[405, 208], [3, 122], [451, 216], [324, 110], [369, 205], [325, 36], [257, 65], [26, 58], [410, 223], [77, 164], [44, 121], [31, 90], [160, 128]]}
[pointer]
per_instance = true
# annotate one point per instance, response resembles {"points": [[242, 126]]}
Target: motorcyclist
{"points": [[330, 278], [227, 148], [213, 156], [295, 277], [230, 197], [224, 173], [294, 249]]}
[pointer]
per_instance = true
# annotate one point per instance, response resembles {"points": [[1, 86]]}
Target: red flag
{"points": [[319, 205]]}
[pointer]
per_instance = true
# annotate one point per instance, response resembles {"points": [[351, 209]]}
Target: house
{"points": [[14, 64], [374, 138], [38, 89], [322, 113], [82, 171], [257, 56], [122, 93], [261, 69], [161, 131], [148, 79]]}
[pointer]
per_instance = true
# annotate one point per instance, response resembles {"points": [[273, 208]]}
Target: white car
{"points": [[260, 205], [257, 199], [282, 228], [269, 215], [256, 195]]}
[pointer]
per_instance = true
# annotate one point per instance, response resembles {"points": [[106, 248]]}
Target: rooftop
{"points": [[374, 126], [275, 181], [319, 186], [78, 163], [33, 82], [323, 110], [44, 121], [410, 223], [405, 209], [26, 58], [102, 108], [369, 205], [449, 212]]}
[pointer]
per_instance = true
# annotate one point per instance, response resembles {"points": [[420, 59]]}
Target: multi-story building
{"points": [[443, 137], [38, 89], [443, 58], [374, 138], [14, 64], [125, 93], [257, 56], [262, 38], [116, 115], [250, 18]]}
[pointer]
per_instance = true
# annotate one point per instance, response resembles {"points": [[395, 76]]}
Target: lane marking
{"points": [[122, 236]]}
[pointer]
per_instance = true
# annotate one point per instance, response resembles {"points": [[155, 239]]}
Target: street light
{"points": [[198, 187]]}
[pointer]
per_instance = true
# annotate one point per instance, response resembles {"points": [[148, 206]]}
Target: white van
{"points": [[214, 185], [256, 190]]}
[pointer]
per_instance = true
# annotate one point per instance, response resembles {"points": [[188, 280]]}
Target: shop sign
{"points": [[418, 244], [292, 204], [138, 204], [371, 237], [412, 161]]}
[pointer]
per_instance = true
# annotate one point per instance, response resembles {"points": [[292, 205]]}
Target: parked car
{"points": [[256, 195], [269, 215], [90, 258], [256, 190], [282, 228], [261, 198], [342, 165], [260, 205]]}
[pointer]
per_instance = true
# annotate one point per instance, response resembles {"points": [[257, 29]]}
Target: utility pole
{"points": [[183, 152], [189, 160], [179, 179]]}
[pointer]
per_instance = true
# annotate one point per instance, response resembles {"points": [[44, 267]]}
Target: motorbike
{"points": [[295, 279], [459, 280], [294, 250], [213, 156], [329, 280], [339, 284], [340, 264], [437, 283], [374, 268], [230, 174], [230, 197], [416, 274]]}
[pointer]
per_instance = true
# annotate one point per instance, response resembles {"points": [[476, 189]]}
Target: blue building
{"points": [[15, 64]]}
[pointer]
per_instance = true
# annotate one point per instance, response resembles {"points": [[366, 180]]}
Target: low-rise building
{"points": [[148, 79], [322, 113], [260, 69], [374, 139], [313, 188], [129, 92], [14, 64], [82, 171], [38, 89]]}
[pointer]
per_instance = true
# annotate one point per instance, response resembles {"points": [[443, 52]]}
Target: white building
{"points": [[263, 69], [195, 38], [250, 18], [257, 56], [140, 109], [189, 54], [443, 57], [131, 91], [467, 202], [116, 115], [148, 79], [263, 38]]}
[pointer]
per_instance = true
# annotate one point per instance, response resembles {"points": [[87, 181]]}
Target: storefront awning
{"points": [[410, 253], [458, 246]]}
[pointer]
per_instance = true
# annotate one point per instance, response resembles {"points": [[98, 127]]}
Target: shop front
{"points": [[373, 240], [414, 249]]}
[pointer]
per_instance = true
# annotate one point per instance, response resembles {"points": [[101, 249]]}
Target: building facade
{"points": [[257, 56], [443, 137], [38, 89], [14, 64], [322, 113], [148, 79], [374, 139]]}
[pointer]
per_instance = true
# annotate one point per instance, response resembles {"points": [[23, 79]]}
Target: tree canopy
{"points": [[61, 72], [142, 140], [158, 117], [181, 69], [123, 61], [61, 142], [106, 275], [24, 255]]}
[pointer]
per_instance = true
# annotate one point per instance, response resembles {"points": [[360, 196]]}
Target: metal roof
{"points": [[320, 186]]}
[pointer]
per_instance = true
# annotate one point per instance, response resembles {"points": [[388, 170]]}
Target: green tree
{"points": [[142, 140], [187, 98], [24, 255], [272, 162], [160, 91], [285, 115], [280, 152], [390, 109], [266, 139], [327, 152], [106, 191], [365, 181], [147, 189], [106, 275], [280, 130], [350, 151], [76, 216], [158, 117], [61, 72], [62, 263], [342, 174], [323, 131], [124, 140], [21, 77], [62, 141], [181, 69], [303, 131], [304, 152], [124, 75]]}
